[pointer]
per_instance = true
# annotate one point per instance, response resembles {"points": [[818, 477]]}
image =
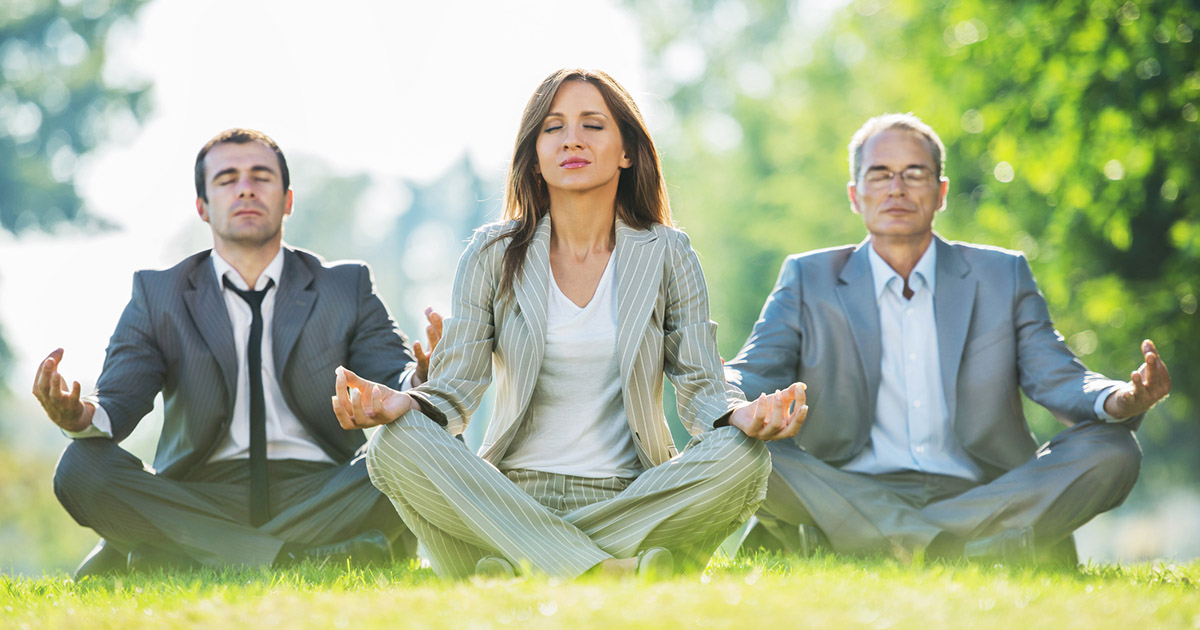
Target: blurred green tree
{"points": [[1071, 131], [57, 102]]}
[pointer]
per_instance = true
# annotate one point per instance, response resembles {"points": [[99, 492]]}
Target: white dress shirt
{"points": [[286, 436], [912, 429]]}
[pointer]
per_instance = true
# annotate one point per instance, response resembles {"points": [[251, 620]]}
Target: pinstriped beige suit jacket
{"points": [[663, 327]]}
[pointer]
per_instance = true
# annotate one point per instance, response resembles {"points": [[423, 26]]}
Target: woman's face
{"points": [[579, 147]]}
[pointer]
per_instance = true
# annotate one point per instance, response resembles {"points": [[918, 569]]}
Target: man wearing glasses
{"points": [[915, 351]]}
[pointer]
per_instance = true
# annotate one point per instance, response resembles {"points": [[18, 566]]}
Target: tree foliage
{"points": [[1071, 133], [55, 103]]}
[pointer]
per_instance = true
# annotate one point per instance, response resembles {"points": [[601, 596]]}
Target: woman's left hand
{"points": [[768, 418], [360, 403], [433, 334]]}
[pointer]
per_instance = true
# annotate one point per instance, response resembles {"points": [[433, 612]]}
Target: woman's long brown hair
{"points": [[641, 190]]}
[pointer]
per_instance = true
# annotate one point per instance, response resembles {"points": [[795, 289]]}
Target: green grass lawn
{"points": [[770, 592]]}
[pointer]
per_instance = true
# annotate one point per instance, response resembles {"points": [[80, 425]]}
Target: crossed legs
{"points": [[462, 508], [1085, 470], [205, 518]]}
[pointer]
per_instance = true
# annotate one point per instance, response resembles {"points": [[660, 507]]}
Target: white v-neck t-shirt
{"points": [[575, 423]]}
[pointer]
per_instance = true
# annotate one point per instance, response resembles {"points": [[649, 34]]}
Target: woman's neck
{"points": [[582, 224]]}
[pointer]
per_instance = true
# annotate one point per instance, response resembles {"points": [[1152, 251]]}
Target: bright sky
{"points": [[396, 89]]}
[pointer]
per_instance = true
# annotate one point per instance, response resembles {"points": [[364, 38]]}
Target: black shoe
{"points": [[367, 548], [145, 559], [101, 560], [812, 541], [759, 538], [1011, 546]]}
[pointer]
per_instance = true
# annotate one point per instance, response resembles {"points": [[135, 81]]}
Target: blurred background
{"points": [[1071, 129]]}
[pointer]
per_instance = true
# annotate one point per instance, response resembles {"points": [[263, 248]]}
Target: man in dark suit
{"points": [[915, 351], [242, 341]]}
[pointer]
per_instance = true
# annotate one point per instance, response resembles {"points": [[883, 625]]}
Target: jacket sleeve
{"points": [[692, 360], [461, 368], [1051, 375], [377, 348], [770, 358], [134, 369]]}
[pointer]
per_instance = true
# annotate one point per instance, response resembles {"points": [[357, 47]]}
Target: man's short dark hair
{"points": [[238, 136]]}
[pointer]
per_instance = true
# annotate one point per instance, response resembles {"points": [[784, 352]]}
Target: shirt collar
{"points": [[925, 271], [273, 271]]}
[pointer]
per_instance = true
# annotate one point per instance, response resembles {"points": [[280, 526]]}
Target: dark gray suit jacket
{"points": [[995, 339], [175, 336]]}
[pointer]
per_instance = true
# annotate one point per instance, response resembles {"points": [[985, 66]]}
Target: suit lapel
{"points": [[953, 304], [207, 309], [528, 342], [639, 273], [293, 304], [533, 290], [856, 293]]}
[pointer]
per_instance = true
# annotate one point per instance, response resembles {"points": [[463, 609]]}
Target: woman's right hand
{"points": [[769, 418], [360, 403]]}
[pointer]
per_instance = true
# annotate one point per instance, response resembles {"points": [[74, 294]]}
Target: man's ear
{"points": [[852, 193], [944, 186], [202, 209], [287, 202]]}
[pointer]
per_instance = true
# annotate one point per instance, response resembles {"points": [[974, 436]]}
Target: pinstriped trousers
{"points": [[462, 508]]}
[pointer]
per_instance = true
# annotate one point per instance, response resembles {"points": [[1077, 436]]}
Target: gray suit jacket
{"points": [[175, 336], [995, 338], [663, 326]]}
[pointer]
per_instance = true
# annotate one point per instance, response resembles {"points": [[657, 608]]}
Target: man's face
{"points": [[903, 205], [246, 200]]}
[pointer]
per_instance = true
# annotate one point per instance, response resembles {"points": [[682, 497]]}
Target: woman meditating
{"points": [[579, 303]]}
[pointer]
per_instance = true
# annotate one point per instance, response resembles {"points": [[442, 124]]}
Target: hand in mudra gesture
{"points": [[360, 403], [775, 416]]}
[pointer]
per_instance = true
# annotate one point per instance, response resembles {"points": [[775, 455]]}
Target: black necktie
{"points": [[260, 510]]}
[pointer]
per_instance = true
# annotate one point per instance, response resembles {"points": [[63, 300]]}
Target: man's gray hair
{"points": [[884, 122]]}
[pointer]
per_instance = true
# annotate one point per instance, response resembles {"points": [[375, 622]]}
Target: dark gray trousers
{"points": [[206, 517], [1084, 470]]}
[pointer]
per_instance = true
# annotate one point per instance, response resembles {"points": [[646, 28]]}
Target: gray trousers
{"points": [[206, 518], [462, 508], [1085, 470]]}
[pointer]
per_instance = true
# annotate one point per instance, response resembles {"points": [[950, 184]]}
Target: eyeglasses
{"points": [[914, 176]]}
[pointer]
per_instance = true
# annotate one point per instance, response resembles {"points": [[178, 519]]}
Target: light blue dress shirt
{"points": [[912, 429]]}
